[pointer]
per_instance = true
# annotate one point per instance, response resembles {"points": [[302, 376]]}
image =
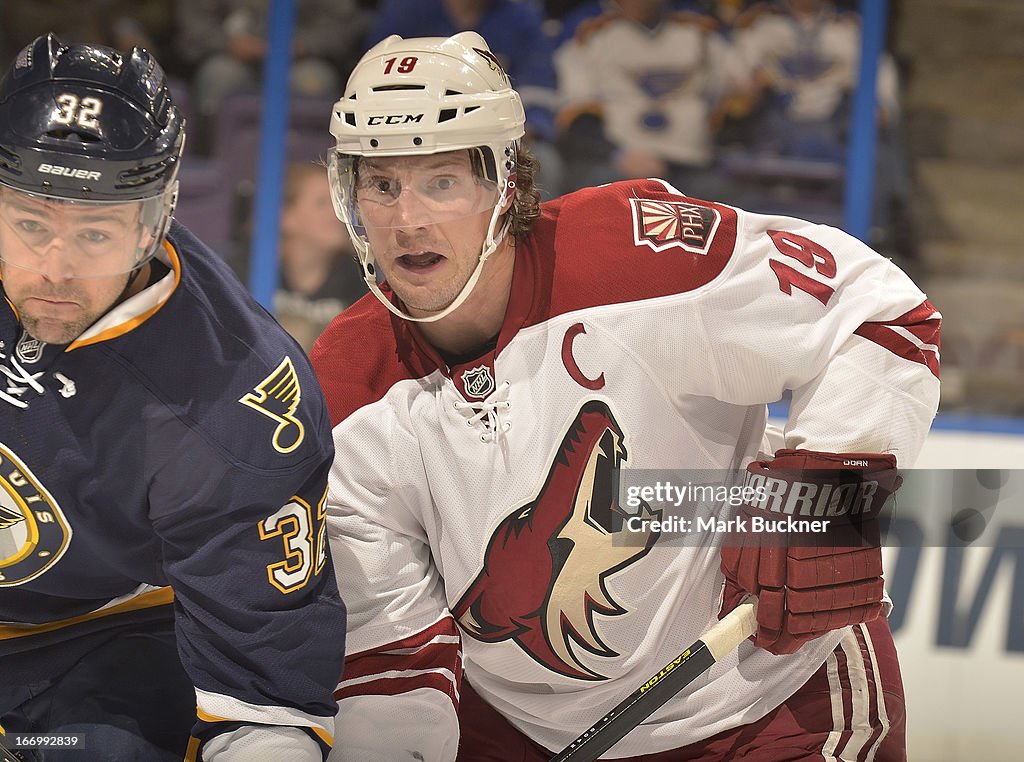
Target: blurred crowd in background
{"points": [[747, 103]]}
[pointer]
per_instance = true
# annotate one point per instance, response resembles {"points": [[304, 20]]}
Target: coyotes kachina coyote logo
{"points": [[546, 564], [493, 62]]}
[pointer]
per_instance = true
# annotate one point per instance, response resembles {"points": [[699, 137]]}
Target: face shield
{"points": [[429, 199], [375, 195], [68, 238]]}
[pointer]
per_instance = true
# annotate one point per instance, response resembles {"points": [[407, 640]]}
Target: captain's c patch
{"points": [[33, 531], [277, 397]]}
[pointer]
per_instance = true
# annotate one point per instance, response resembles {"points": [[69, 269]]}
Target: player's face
{"points": [[63, 265], [426, 218]]}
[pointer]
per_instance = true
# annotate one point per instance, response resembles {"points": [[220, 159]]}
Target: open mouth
{"points": [[604, 507], [421, 261]]}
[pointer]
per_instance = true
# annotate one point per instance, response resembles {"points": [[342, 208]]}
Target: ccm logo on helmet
{"points": [[394, 119], [78, 174]]}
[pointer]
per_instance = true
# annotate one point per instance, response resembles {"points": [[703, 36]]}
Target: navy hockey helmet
{"points": [[88, 124]]}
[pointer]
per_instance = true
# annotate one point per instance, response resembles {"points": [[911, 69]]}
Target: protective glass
{"points": [[409, 191], [64, 238]]}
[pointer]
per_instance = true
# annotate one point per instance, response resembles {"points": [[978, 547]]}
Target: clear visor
{"points": [[65, 238], [409, 191]]}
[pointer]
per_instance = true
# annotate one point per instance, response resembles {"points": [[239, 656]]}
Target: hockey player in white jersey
{"points": [[518, 364]]}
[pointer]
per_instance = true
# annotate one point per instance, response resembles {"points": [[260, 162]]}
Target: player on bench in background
{"points": [[157, 429], [519, 357]]}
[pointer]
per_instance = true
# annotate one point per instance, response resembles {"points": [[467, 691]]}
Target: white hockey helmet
{"points": [[427, 95]]}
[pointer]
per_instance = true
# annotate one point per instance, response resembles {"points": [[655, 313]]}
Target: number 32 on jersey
{"points": [[303, 532]]}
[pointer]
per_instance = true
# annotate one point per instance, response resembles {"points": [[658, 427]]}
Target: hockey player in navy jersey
{"points": [[165, 590], [516, 362]]}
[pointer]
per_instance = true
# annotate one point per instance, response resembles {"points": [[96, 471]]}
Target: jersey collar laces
{"points": [[490, 411], [19, 381]]}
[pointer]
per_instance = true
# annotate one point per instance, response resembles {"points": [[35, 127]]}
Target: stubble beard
{"points": [[53, 331], [423, 301], [433, 302]]}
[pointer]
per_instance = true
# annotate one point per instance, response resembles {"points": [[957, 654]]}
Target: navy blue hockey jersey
{"points": [[180, 442]]}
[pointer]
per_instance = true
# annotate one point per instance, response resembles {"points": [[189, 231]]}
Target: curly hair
{"points": [[526, 206]]}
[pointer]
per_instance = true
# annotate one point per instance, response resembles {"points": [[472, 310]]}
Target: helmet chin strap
{"points": [[489, 246]]}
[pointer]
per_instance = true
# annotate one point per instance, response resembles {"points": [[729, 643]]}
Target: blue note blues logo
{"points": [[278, 397]]}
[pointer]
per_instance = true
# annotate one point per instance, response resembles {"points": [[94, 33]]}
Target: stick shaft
{"points": [[738, 625]]}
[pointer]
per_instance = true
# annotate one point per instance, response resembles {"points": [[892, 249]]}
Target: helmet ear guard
{"points": [[420, 96]]}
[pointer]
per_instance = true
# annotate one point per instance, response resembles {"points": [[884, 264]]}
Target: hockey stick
{"points": [[721, 638], [6, 755]]}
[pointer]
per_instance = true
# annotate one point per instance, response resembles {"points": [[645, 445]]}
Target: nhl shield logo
{"points": [[29, 350], [666, 224], [33, 531], [478, 382]]}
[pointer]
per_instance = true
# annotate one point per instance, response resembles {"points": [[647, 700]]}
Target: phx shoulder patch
{"points": [[277, 397], [667, 224]]}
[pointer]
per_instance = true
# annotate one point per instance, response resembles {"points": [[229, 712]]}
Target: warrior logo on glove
{"points": [[810, 583]]}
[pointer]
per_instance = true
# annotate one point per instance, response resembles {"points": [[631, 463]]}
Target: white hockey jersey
{"points": [[655, 88], [472, 510], [813, 59]]}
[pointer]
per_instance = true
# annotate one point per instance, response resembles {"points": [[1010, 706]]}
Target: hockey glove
{"points": [[809, 582]]}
